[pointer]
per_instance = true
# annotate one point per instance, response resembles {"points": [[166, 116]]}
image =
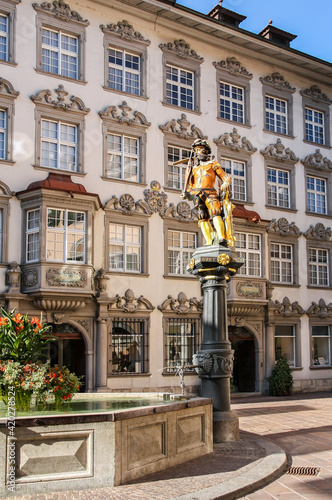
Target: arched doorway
{"points": [[244, 371]]}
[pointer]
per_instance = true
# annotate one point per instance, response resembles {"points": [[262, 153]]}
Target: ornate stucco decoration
{"points": [[181, 129], [181, 305], [319, 232], [58, 305], [7, 90], [243, 311], [283, 227], [317, 161], [61, 101], [181, 49], [30, 278], [85, 323], [233, 141], [60, 10], [277, 81], [155, 198], [321, 309], [279, 152], [101, 280], [286, 308], [128, 303], [127, 205], [124, 30], [66, 277], [233, 67], [58, 318], [213, 364], [13, 275], [182, 212], [249, 289], [125, 115], [315, 93]]}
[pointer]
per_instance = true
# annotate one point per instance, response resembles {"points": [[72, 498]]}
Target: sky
{"points": [[309, 20]]}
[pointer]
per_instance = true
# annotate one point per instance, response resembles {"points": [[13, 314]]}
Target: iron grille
{"points": [[183, 338], [129, 346]]}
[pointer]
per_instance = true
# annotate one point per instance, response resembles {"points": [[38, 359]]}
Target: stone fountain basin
{"points": [[91, 449]]}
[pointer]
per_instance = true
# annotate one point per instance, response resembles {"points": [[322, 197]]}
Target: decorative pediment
{"points": [[279, 152], [315, 93], [127, 205], [7, 90], [286, 308], [283, 227], [234, 142], [125, 115], [232, 66], [277, 81], [321, 309], [182, 129], [182, 212], [128, 303], [124, 30], [319, 232], [181, 305], [61, 101], [60, 10], [155, 198], [181, 49], [317, 161]]}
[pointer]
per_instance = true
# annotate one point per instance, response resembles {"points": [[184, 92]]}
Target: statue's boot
{"points": [[207, 230], [220, 228]]}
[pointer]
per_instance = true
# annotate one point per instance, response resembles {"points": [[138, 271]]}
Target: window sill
{"points": [[321, 367], [128, 374], [284, 209], [7, 162], [173, 374], [288, 285], [123, 181], [61, 77], [185, 110], [317, 144], [124, 273], [233, 122], [318, 287], [122, 92], [8, 63], [280, 134], [58, 170], [316, 214], [296, 368], [178, 277]]}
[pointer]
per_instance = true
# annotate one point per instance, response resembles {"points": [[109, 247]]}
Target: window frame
{"points": [[125, 246], [5, 196], [66, 232], [190, 318], [234, 177], [319, 103], [323, 323], [316, 242], [276, 87], [247, 251], [8, 9], [68, 26], [122, 155], [317, 265], [279, 186], [325, 180], [7, 98], [181, 249], [296, 325], [286, 166], [179, 145]]}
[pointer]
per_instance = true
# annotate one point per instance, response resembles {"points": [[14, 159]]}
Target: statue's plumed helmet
{"points": [[202, 143]]}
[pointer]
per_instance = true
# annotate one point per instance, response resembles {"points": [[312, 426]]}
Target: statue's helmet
{"points": [[202, 143]]}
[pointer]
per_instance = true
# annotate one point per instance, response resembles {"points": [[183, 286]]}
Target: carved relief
{"points": [[214, 364], [180, 129], [277, 81], [249, 289], [233, 67], [127, 205], [319, 232], [101, 280], [128, 303], [321, 309], [282, 226], [61, 101], [60, 10], [30, 278], [13, 275], [182, 212], [279, 152], [58, 318], [181, 49], [66, 277], [125, 31], [155, 198], [58, 305], [85, 323], [7, 90], [317, 161], [286, 308], [232, 141], [125, 115], [315, 93], [243, 311], [181, 305]]}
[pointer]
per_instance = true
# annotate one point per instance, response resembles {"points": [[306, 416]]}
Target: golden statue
{"points": [[200, 186]]}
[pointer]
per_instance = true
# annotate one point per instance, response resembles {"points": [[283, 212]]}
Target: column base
{"points": [[225, 427]]}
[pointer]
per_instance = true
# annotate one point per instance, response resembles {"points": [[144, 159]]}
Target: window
{"points": [[314, 126], [59, 145], [181, 246], [249, 249], [5, 195], [125, 248], [60, 53], [237, 171], [4, 37], [183, 337], [316, 195], [123, 155], [180, 87], [231, 102], [7, 97], [275, 115], [124, 72], [3, 134], [176, 173], [321, 345], [278, 188], [7, 31], [281, 263], [60, 41], [316, 116], [318, 267], [66, 235], [32, 235], [129, 346], [284, 336]]}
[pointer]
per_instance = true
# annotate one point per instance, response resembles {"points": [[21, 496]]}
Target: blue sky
{"points": [[309, 20]]}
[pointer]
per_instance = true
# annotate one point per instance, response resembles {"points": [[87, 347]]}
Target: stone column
{"points": [[269, 343], [101, 354]]}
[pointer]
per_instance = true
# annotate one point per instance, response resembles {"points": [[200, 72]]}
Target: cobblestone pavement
{"points": [[300, 425]]}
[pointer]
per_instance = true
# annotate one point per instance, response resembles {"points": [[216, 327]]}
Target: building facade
{"points": [[98, 99]]}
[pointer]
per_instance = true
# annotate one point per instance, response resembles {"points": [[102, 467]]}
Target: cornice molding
{"points": [[277, 81], [234, 142], [125, 116], [181, 305], [181, 49], [60, 10], [283, 227], [129, 303], [7, 89], [232, 66], [180, 128], [61, 101], [315, 93], [280, 153], [124, 30]]}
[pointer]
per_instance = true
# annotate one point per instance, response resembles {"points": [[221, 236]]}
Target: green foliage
{"points": [[281, 379]]}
